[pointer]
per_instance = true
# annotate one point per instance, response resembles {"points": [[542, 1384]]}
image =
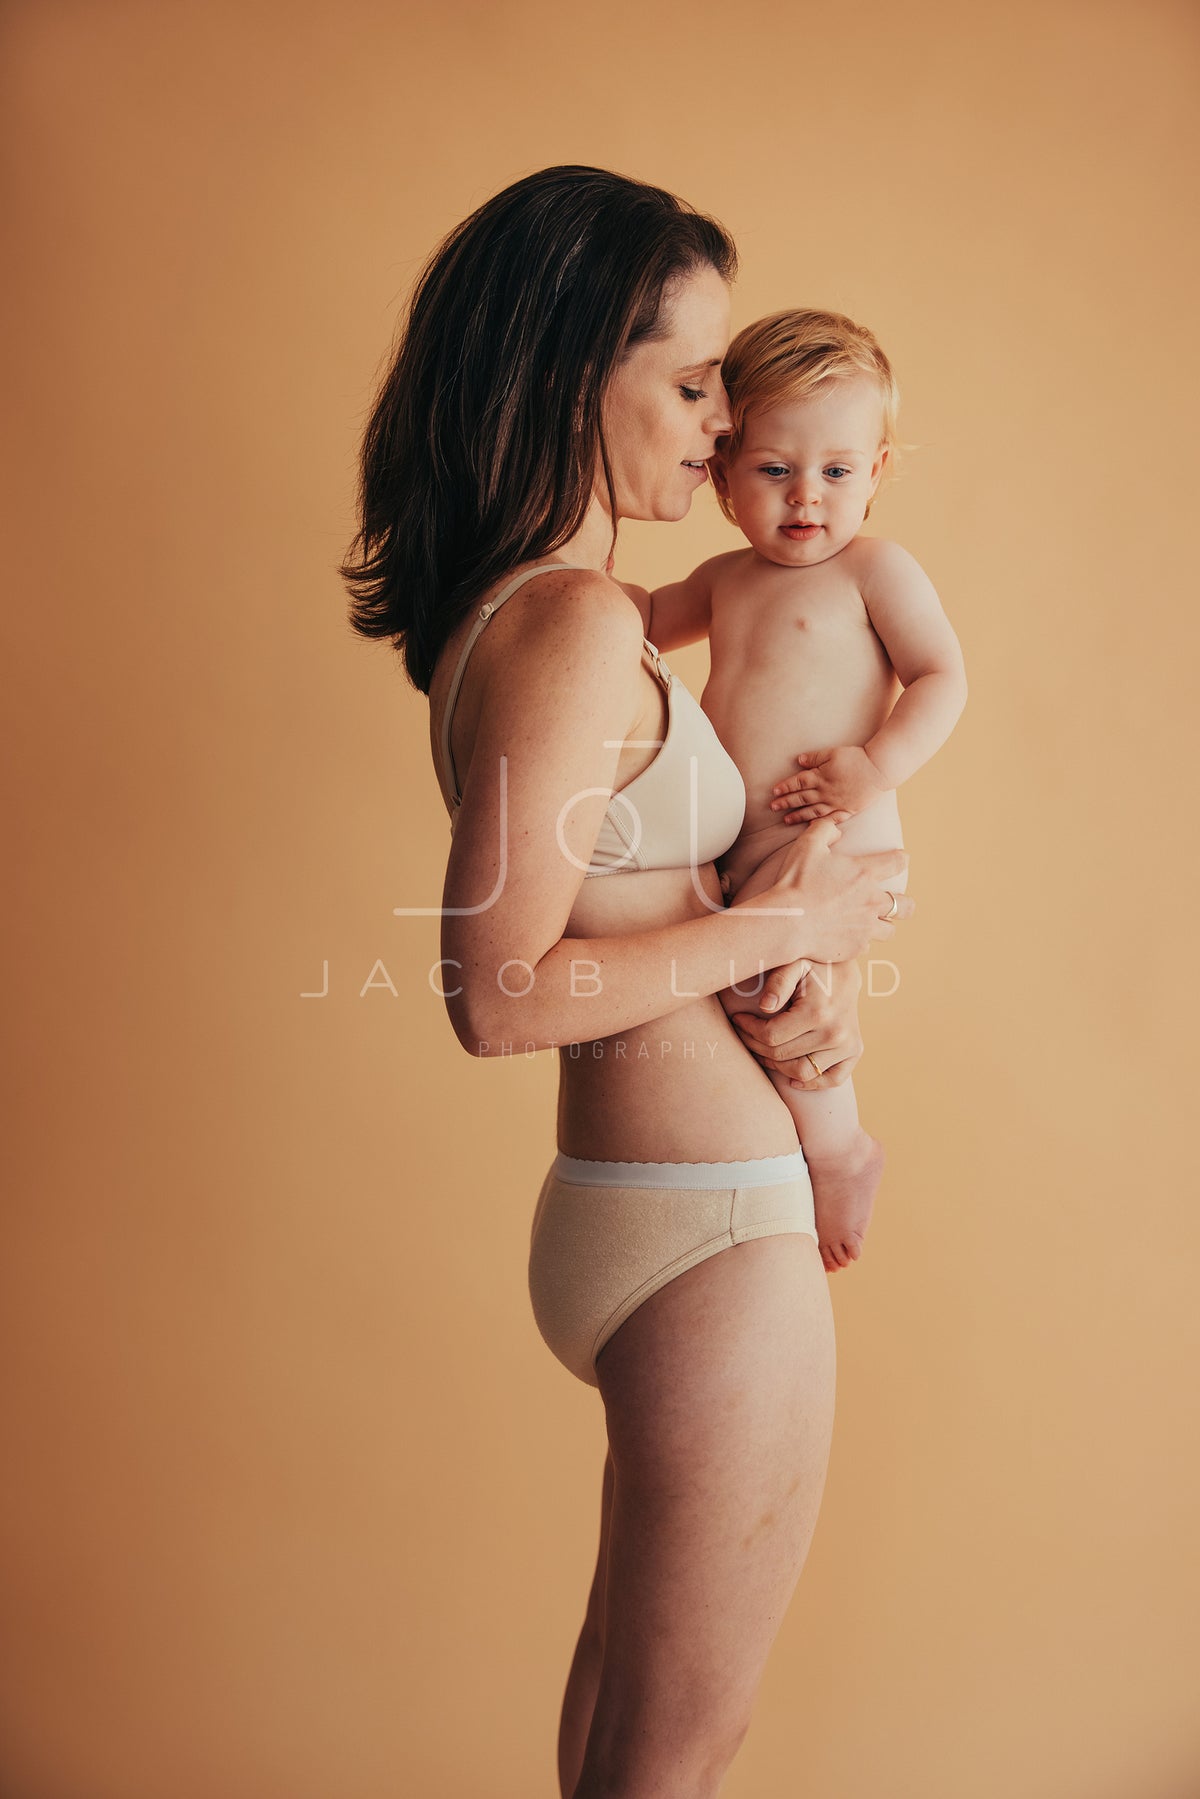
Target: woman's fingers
{"points": [[833, 1076], [824, 831], [882, 863], [783, 1044], [775, 1035], [750, 1029], [781, 984]]}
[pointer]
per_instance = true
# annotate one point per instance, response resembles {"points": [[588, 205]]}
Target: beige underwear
{"points": [[606, 1235]]}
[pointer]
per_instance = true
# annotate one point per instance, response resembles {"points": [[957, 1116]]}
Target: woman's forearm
{"points": [[589, 987]]}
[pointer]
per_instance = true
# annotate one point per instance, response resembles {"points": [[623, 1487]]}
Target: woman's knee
{"points": [[686, 1760], [719, 1401]]}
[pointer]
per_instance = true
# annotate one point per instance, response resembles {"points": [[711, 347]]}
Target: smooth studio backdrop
{"points": [[297, 1505]]}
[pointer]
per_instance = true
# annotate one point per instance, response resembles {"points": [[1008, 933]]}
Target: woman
{"points": [[559, 372]]}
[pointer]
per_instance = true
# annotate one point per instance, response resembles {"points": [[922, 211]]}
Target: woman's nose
{"points": [[720, 418]]}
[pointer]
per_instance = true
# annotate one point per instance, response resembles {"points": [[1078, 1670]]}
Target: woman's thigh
{"points": [[719, 1399]]}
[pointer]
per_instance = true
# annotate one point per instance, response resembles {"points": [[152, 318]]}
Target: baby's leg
{"points": [[845, 1163]]}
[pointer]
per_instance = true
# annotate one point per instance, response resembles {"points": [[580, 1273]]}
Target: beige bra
{"points": [[680, 812]]}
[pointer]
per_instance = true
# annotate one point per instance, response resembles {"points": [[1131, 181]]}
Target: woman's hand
{"points": [[821, 1021], [840, 900]]}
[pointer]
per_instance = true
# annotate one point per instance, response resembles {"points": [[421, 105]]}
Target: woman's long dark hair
{"points": [[480, 451]]}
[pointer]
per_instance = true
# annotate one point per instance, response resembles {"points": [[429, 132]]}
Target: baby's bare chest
{"points": [[810, 628]]}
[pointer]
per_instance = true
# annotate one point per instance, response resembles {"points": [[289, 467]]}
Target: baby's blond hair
{"points": [[790, 355]]}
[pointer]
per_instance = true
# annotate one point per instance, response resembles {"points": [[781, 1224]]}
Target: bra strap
{"points": [[660, 668], [485, 612]]}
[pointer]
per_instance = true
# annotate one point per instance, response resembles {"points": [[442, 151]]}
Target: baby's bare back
{"points": [[796, 665]]}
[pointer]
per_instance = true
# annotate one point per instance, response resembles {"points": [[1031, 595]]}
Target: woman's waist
{"points": [[624, 901], [683, 1088], [787, 1169], [696, 1037]]}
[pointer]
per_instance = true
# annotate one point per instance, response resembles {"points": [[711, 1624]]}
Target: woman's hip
{"points": [[606, 1235]]}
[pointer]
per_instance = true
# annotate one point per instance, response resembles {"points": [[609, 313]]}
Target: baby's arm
{"points": [[925, 653], [921, 644], [679, 613]]}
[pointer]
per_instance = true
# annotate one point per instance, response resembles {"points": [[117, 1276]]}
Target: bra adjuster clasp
{"points": [[660, 668]]}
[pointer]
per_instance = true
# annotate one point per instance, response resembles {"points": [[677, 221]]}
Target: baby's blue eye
{"points": [[837, 469], [692, 393], [773, 468]]}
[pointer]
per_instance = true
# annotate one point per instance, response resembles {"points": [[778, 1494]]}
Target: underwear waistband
{"points": [[760, 1171]]}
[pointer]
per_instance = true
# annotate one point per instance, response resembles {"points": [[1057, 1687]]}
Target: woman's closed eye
{"points": [[693, 393]]}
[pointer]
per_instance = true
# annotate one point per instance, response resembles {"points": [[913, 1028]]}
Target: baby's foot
{"points": [[843, 1192]]}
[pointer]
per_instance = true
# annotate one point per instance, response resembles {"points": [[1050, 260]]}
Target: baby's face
{"points": [[804, 476]]}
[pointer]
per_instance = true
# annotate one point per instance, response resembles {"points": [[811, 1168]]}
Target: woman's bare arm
{"points": [[561, 688]]}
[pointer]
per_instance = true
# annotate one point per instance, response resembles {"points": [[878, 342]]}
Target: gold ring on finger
{"points": [[895, 906]]}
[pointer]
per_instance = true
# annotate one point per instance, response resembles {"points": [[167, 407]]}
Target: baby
{"points": [[819, 636]]}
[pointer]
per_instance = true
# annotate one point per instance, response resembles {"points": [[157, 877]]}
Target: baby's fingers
{"points": [[794, 792]]}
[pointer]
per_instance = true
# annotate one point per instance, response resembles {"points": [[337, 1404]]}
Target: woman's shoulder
{"points": [[581, 612], [564, 626]]}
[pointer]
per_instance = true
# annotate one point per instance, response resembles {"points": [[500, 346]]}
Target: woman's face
{"points": [[665, 404]]}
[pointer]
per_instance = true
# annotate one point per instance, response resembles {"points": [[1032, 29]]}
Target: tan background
{"points": [[297, 1503]]}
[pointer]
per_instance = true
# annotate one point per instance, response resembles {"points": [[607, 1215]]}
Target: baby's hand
{"points": [[838, 781]]}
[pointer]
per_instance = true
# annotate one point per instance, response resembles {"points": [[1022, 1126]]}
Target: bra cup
{"points": [[667, 816]]}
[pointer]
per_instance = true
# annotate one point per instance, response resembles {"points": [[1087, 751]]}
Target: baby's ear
{"points": [[716, 469]]}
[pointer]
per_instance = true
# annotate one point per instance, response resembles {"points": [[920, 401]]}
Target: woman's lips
{"points": [[700, 473]]}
